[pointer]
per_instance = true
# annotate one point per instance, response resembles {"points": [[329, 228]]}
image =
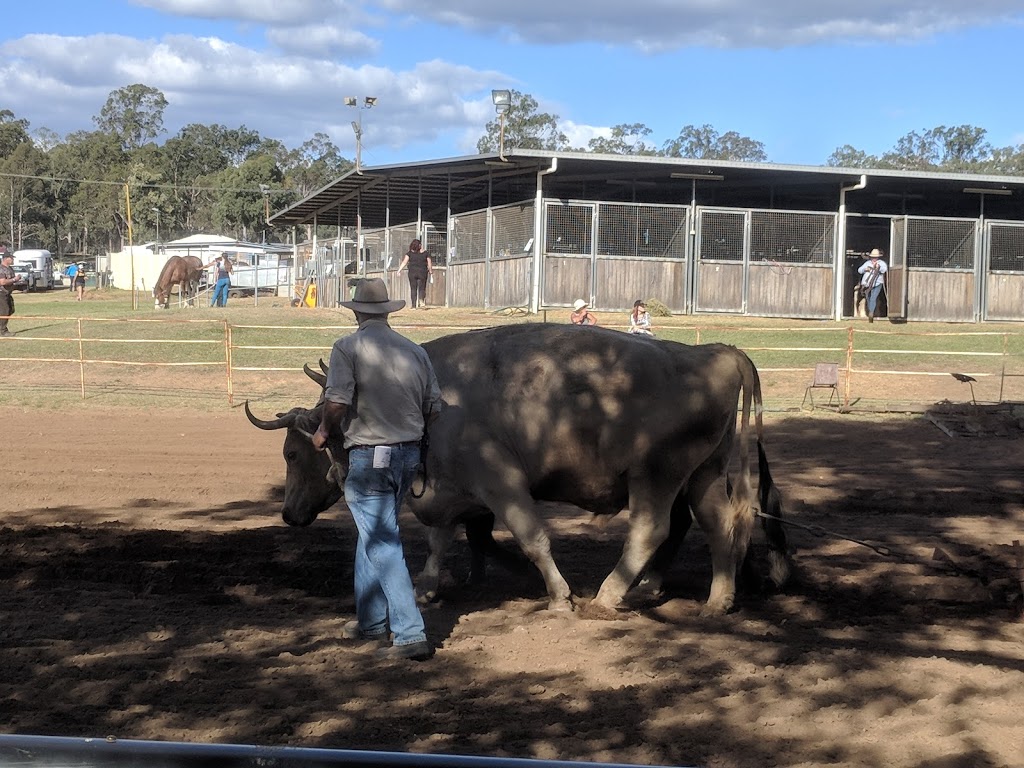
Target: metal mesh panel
{"points": [[513, 231], [657, 231], [469, 237], [792, 238], [373, 254], [401, 236], [436, 244], [721, 236], [568, 229], [1006, 248], [940, 244]]}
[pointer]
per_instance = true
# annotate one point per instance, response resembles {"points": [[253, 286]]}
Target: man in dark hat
{"points": [[381, 392], [7, 279]]}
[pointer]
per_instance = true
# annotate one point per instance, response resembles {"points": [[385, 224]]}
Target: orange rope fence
{"points": [[228, 343]]}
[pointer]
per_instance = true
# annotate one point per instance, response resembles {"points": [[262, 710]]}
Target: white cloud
{"points": [[60, 83], [287, 12], [658, 25], [323, 40]]}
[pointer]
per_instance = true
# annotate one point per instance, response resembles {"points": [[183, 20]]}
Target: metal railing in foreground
{"points": [[65, 752]]}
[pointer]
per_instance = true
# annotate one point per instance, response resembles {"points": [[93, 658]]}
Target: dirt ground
{"points": [[149, 590]]}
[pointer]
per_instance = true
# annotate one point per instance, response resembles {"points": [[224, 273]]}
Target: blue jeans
{"points": [[220, 293], [383, 587], [871, 299]]}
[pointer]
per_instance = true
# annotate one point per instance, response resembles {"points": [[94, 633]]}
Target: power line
{"points": [[144, 185]]}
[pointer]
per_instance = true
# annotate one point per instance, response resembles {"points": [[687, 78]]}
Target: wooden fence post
{"points": [[81, 359], [849, 366], [227, 362]]}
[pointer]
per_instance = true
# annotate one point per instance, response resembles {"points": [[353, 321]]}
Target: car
{"points": [[22, 277]]}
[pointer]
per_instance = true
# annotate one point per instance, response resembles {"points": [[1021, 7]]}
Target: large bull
{"points": [[589, 416]]}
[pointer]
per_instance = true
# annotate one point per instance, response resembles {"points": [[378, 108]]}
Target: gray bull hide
{"points": [[596, 418]]}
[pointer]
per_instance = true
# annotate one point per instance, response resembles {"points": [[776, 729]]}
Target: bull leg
{"points": [[649, 525], [727, 524], [439, 539], [517, 510], [653, 579]]}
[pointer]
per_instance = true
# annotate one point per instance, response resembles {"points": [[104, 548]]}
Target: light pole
{"points": [[157, 212], [265, 190], [357, 126], [502, 104]]}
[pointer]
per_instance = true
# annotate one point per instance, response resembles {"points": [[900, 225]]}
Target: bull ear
{"points": [[319, 378], [323, 365], [281, 422]]}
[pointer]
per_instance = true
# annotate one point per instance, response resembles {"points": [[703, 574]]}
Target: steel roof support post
{"points": [[448, 244], [839, 257], [360, 259], [387, 229], [690, 279], [538, 231], [980, 264]]}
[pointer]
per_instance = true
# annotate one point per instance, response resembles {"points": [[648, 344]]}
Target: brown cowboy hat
{"points": [[371, 298]]}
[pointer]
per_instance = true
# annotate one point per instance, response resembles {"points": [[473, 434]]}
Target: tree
{"points": [[625, 139], [92, 202], [134, 114], [314, 165], [12, 132], [525, 128], [705, 143], [847, 156], [239, 206]]}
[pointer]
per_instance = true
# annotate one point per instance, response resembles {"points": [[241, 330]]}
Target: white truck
{"points": [[40, 264]]}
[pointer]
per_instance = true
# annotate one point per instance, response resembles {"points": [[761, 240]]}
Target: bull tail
{"points": [[779, 566], [769, 498], [741, 495]]}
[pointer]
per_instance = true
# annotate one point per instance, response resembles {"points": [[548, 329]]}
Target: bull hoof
{"points": [[719, 608], [599, 612], [562, 605], [426, 596]]}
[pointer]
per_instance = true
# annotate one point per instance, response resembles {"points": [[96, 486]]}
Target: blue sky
{"points": [[802, 76]]}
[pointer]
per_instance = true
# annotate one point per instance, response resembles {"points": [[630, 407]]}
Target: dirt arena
{"points": [[149, 590]]}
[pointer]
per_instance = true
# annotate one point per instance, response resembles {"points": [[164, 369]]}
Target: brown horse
{"points": [[181, 271]]}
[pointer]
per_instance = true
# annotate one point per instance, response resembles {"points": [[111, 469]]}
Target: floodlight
{"points": [[350, 101], [369, 101], [502, 101]]}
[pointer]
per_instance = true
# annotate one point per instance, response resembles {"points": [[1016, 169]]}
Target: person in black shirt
{"points": [[418, 263]]}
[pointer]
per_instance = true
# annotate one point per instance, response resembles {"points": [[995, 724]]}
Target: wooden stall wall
{"points": [[719, 286], [943, 296], [566, 278], [1005, 296], [467, 281], [509, 282], [620, 282], [790, 290], [398, 285]]}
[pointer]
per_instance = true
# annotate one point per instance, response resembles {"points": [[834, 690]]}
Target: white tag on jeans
{"points": [[381, 456]]}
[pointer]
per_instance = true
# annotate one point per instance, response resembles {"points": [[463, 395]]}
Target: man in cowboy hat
{"points": [[872, 280], [381, 391]]}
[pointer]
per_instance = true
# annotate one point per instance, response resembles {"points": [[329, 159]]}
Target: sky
{"points": [[803, 77]]}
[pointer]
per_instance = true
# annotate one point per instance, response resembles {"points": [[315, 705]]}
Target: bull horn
{"points": [[285, 420], [323, 365], [319, 378]]}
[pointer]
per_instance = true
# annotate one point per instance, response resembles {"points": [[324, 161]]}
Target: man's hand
{"points": [[320, 438]]}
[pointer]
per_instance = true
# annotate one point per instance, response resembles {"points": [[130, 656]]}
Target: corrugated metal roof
{"points": [[403, 193]]}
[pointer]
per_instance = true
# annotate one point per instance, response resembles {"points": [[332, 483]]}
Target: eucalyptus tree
{"points": [[525, 128], [93, 168], [706, 143], [625, 139], [134, 114]]}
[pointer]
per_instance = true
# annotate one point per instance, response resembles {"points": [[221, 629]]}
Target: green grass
{"points": [[141, 356]]}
